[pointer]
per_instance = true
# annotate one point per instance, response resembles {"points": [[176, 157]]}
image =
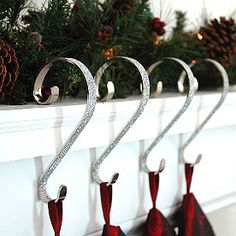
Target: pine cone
{"points": [[219, 39], [8, 70]]}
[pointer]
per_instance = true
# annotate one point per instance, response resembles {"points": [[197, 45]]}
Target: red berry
{"points": [[126, 7], [76, 6], [100, 34], [156, 20], [108, 31]]}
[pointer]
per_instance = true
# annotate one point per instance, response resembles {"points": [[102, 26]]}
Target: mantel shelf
{"points": [[27, 126], [31, 135]]}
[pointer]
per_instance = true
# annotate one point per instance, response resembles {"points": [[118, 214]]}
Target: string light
{"points": [[199, 36], [109, 53], [155, 39]]}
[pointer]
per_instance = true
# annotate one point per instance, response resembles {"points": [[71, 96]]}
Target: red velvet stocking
{"points": [[55, 214], [193, 221], [156, 224], [106, 198]]}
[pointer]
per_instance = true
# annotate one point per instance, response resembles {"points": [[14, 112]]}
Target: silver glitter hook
{"points": [[113, 179], [110, 84], [37, 91], [159, 85], [158, 90], [192, 89], [225, 90], [91, 102], [61, 194], [145, 96], [162, 166]]}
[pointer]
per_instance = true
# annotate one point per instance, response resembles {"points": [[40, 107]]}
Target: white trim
{"points": [[32, 128]]}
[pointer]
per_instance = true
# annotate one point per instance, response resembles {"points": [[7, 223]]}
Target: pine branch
{"points": [[10, 12]]}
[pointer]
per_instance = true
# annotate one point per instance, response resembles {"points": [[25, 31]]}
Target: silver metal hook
{"points": [[145, 96], [91, 102], [61, 194], [157, 92], [159, 89], [162, 166], [192, 89], [225, 90], [197, 161], [110, 84], [159, 86], [37, 91]]}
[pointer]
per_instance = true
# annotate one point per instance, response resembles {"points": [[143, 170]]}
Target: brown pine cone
{"points": [[9, 68], [219, 39]]}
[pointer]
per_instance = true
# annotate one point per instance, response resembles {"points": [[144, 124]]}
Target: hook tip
{"points": [[159, 87], [110, 87], [113, 179], [161, 166], [54, 95], [51, 99], [196, 84], [61, 194], [198, 160], [110, 92], [180, 86]]}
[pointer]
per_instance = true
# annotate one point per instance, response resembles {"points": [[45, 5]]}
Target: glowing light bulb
{"points": [[199, 36]]}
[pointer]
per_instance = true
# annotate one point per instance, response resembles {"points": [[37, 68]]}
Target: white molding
{"points": [[32, 128]]}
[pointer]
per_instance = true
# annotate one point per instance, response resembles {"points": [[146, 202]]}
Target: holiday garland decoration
{"points": [[8, 70], [219, 38], [158, 27], [94, 32]]}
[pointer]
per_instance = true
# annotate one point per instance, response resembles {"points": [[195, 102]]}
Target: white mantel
{"points": [[31, 134]]}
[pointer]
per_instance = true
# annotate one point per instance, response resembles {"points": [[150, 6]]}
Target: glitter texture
{"points": [[225, 91], [143, 102], [192, 89], [91, 103]]}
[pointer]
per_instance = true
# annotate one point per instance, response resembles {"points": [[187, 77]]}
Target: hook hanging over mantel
{"points": [[193, 84], [145, 96], [224, 93], [91, 103]]}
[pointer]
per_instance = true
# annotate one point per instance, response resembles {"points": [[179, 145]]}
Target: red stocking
{"points": [[193, 221], [106, 198], [156, 224], [55, 213]]}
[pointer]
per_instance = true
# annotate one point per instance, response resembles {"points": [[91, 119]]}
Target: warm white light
{"points": [[199, 36]]}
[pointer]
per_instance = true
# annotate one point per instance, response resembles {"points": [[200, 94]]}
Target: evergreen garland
{"points": [[92, 32]]}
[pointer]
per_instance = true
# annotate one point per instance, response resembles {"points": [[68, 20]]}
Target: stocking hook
{"points": [[192, 89], [145, 96], [91, 102], [225, 90]]}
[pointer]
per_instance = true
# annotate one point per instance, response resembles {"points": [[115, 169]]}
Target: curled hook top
{"points": [[159, 89], [110, 84], [192, 89], [145, 96], [225, 90], [159, 85], [91, 102], [54, 91]]}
